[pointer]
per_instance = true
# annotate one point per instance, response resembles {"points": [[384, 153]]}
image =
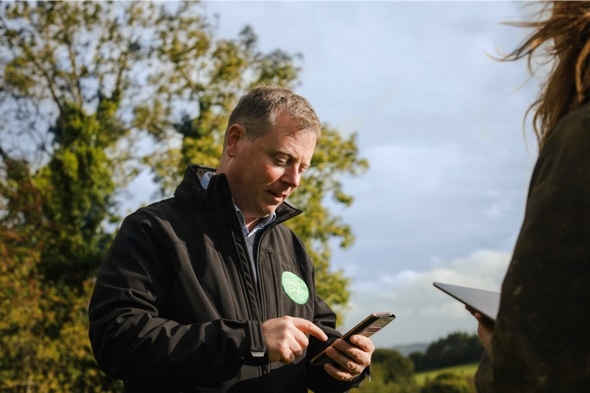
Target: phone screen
{"points": [[367, 327]]}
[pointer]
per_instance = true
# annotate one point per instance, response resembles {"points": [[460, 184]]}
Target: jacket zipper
{"points": [[266, 381]]}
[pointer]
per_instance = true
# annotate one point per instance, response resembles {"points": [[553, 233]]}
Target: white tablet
{"points": [[485, 302]]}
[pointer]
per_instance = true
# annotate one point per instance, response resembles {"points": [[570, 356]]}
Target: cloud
{"points": [[420, 202], [440, 123], [423, 312]]}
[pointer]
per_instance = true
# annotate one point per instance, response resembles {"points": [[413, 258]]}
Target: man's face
{"points": [[262, 173]]}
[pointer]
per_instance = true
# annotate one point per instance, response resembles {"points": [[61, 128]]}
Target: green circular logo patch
{"points": [[295, 288]]}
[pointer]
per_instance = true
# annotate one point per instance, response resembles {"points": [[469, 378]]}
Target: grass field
{"points": [[466, 370]]}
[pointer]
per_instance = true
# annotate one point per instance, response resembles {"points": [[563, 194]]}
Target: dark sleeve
{"points": [[131, 336], [541, 339]]}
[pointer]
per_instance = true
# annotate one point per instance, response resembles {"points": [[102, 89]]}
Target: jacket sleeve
{"points": [[540, 341], [131, 337]]}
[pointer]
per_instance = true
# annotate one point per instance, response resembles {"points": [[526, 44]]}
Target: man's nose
{"points": [[292, 176]]}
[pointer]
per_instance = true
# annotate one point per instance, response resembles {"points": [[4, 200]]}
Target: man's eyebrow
{"points": [[277, 152]]}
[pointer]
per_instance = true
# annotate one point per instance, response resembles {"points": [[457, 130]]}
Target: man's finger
{"points": [[309, 327], [362, 342]]}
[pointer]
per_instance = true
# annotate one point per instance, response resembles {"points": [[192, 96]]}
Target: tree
{"points": [[42, 325], [378, 383], [418, 360], [455, 349], [334, 155], [42, 338], [391, 372], [397, 368], [92, 93]]}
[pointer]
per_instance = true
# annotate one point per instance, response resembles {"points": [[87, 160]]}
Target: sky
{"points": [[441, 124]]}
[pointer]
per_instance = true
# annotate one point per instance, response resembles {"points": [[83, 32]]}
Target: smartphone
{"points": [[367, 327]]}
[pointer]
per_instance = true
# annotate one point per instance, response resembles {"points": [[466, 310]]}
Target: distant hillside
{"points": [[410, 348]]}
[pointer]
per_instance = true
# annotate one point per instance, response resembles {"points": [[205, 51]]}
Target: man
{"points": [[208, 291]]}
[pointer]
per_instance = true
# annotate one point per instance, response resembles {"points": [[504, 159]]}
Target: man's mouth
{"points": [[279, 197]]}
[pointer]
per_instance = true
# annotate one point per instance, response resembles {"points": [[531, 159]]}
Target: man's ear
{"points": [[235, 134]]}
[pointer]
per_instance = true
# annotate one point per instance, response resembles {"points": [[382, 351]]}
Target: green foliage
{"points": [[398, 368], [390, 372], [78, 191], [466, 370], [334, 155], [455, 349], [380, 384], [43, 328], [92, 93], [448, 382]]}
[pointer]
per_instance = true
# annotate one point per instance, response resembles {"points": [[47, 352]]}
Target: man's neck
{"points": [[252, 223]]}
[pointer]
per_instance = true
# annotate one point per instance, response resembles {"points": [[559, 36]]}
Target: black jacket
{"points": [[541, 340], [176, 307]]}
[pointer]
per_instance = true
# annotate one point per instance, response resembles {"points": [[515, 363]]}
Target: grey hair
{"points": [[258, 109]]}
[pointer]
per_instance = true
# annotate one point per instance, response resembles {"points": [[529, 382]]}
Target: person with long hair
{"points": [[540, 341]]}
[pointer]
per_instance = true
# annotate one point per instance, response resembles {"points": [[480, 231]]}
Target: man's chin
{"points": [[268, 210]]}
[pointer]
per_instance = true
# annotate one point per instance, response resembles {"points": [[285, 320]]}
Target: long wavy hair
{"points": [[562, 30]]}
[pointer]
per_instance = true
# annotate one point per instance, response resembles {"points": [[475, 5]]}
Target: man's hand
{"points": [[286, 337], [351, 358]]}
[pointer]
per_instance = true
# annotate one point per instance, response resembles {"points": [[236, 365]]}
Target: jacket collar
{"points": [[217, 197]]}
